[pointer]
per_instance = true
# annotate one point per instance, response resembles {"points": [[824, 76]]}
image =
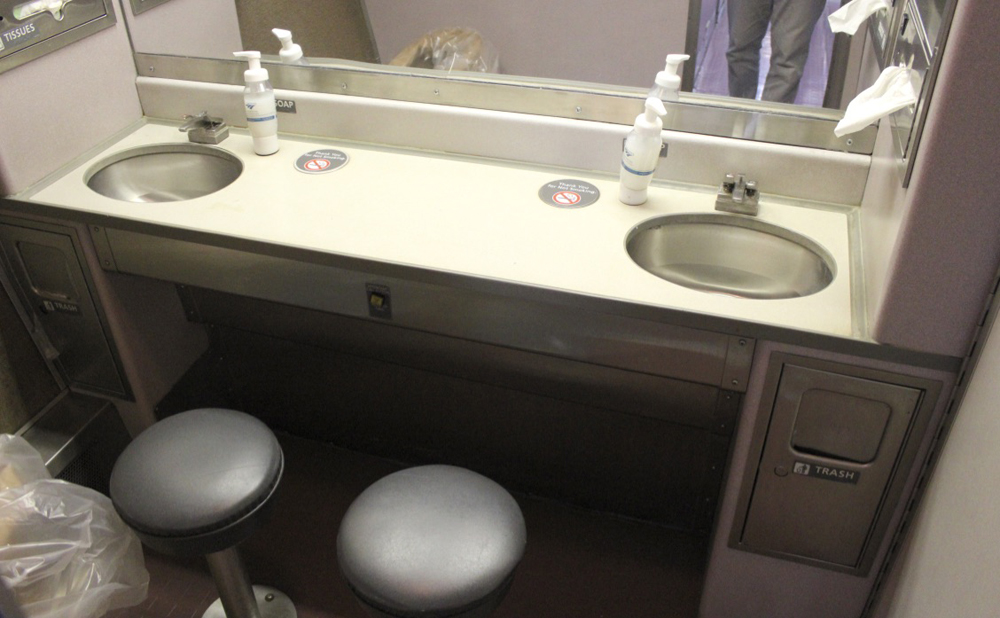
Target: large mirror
{"points": [[612, 47]]}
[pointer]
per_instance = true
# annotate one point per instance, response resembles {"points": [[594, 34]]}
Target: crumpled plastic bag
{"points": [[450, 49], [64, 552]]}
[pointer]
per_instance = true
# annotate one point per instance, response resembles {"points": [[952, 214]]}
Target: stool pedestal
{"points": [[237, 597]]}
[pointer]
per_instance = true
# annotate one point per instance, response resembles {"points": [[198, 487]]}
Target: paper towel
{"points": [[850, 16], [892, 91]]}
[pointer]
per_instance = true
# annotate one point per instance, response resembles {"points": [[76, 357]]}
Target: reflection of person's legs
{"points": [[747, 26], [792, 26]]}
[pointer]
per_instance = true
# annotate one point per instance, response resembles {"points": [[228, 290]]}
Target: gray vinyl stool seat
{"points": [[431, 541], [199, 483]]}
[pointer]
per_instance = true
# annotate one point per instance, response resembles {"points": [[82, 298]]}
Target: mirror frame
{"points": [[922, 51], [694, 113]]}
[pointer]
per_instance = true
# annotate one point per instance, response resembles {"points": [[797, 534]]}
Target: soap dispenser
{"points": [[668, 83], [291, 53], [259, 105], [641, 153]]}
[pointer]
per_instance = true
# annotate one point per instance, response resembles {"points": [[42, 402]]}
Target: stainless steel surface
{"points": [[235, 250], [731, 255], [64, 430], [53, 284], [680, 402], [934, 15], [43, 392], [272, 603], [648, 346], [236, 595], [840, 62], [738, 360], [702, 114], [738, 195], [823, 508], [42, 33], [164, 173], [919, 46], [204, 129], [882, 28], [910, 50], [700, 15], [194, 243], [141, 6]]}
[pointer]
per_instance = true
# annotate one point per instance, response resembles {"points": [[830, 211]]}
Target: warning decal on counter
{"points": [[569, 193], [321, 161]]}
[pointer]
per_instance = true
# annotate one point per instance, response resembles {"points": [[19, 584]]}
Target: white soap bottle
{"points": [[259, 105], [641, 153], [291, 53], [667, 85]]}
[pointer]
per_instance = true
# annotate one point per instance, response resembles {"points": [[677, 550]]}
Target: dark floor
{"points": [[578, 563]]}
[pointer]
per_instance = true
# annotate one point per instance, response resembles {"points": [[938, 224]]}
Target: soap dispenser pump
{"points": [[291, 53], [641, 153], [667, 85], [259, 105]]}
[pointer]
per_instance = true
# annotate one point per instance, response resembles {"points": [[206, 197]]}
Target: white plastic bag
{"points": [[64, 552], [450, 49]]}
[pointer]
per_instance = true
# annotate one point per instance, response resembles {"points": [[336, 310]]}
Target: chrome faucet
{"points": [[203, 129], [738, 195]]}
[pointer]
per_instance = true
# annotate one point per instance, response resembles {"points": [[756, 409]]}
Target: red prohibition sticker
{"points": [[566, 198], [569, 193], [317, 165]]}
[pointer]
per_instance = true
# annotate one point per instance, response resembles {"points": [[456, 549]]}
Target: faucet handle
{"points": [[204, 129], [736, 185], [738, 195], [193, 121]]}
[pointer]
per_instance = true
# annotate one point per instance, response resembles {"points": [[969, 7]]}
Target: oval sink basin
{"points": [[164, 173], [731, 254]]}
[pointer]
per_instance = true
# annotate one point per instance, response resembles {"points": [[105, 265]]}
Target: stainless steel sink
{"points": [[164, 173], [731, 254]]}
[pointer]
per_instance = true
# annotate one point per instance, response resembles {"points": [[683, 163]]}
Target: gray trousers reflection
{"points": [[792, 23]]}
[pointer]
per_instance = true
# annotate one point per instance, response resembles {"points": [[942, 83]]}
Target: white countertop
{"points": [[473, 217]]}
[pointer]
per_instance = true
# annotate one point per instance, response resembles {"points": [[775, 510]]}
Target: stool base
{"points": [[272, 603]]}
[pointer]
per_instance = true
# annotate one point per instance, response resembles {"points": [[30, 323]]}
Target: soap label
{"points": [[286, 106], [569, 193], [321, 161]]}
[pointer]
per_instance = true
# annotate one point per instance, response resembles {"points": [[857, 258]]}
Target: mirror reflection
{"points": [[741, 48]]}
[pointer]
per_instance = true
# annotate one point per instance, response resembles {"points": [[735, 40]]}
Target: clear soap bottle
{"points": [[667, 85], [259, 105], [291, 52], [641, 153]]}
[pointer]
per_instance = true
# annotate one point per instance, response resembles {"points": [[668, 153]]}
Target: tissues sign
{"points": [[18, 36]]}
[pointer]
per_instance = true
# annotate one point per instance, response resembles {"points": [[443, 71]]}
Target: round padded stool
{"points": [[431, 541], [199, 483]]}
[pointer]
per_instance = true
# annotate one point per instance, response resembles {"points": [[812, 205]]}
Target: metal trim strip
{"points": [[701, 114]]}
